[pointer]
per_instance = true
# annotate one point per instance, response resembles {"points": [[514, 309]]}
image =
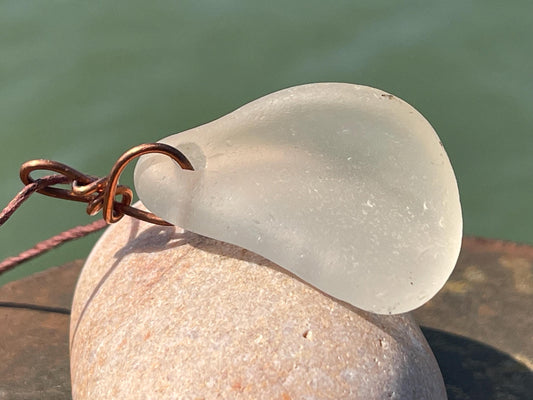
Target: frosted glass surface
{"points": [[346, 186]]}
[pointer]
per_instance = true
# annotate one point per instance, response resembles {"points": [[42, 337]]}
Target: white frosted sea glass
{"points": [[346, 186]]}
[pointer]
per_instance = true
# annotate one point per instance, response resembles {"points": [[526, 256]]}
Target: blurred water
{"points": [[80, 82]]}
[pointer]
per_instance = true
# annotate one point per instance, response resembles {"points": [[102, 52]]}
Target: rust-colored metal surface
{"points": [[34, 321], [480, 327]]}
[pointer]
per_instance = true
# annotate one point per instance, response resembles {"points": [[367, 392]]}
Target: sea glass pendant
{"points": [[346, 186]]}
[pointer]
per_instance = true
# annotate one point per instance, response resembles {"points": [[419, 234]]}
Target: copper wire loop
{"points": [[101, 193]]}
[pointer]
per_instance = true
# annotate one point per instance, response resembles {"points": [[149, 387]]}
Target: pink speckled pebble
{"points": [[160, 313]]}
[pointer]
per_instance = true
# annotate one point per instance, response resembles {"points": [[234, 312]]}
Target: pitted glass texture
{"points": [[346, 186]]}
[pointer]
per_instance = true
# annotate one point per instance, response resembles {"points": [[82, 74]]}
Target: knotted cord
{"points": [[98, 193]]}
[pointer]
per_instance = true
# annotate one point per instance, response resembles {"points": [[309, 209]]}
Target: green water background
{"points": [[80, 82]]}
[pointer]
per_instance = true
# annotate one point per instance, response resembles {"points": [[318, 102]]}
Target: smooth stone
{"points": [[167, 314]]}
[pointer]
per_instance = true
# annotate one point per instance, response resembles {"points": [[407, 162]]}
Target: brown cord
{"points": [[46, 245], [28, 190], [51, 243], [98, 193]]}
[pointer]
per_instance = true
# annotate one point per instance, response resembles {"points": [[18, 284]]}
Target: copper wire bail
{"points": [[100, 193]]}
